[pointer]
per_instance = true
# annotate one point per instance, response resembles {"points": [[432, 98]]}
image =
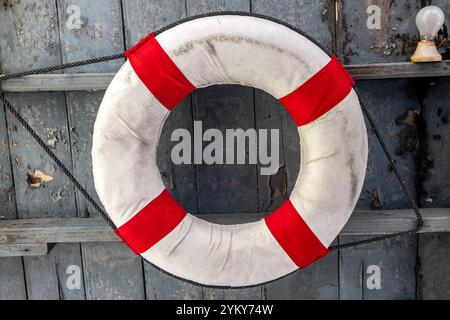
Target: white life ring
{"points": [[230, 49]]}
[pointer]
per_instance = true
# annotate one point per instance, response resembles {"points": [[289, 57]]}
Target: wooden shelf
{"points": [[32, 236], [100, 81]]}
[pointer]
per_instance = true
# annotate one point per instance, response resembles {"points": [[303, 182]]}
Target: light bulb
{"points": [[429, 21]]}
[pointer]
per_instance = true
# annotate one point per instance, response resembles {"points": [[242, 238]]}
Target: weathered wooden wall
{"points": [[411, 113]]}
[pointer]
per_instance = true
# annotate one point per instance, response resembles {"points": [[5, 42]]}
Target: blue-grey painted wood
{"points": [[434, 275], [98, 31], [195, 7], [395, 40], [319, 281], [316, 18], [12, 279], [434, 188], [51, 273], [142, 17], [112, 272], [252, 293], [433, 279], [22, 24], [395, 260], [162, 286], [29, 39], [7, 197], [435, 142]]}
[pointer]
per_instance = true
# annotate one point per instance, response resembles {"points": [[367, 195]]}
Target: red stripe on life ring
{"points": [[319, 94], [158, 72], [294, 236], [152, 223]]}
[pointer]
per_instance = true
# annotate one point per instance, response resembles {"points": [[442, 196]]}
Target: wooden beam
{"points": [[399, 70], [100, 81], [56, 230], [20, 250], [59, 82]]}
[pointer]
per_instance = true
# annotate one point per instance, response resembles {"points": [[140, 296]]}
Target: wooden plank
{"points": [[7, 197], [252, 293], [315, 18], [379, 222], [362, 222], [82, 110], [140, 18], [395, 260], [100, 81], [319, 281], [435, 141], [44, 112], [20, 250], [59, 82], [397, 70], [55, 230], [12, 279], [49, 275], [196, 7], [434, 280], [433, 273], [395, 40], [30, 39], [89, 29], [97, 32], [112, 272], [162, 286]]}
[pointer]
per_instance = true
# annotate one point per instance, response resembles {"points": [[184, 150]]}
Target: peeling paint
{"points": [[37, 178]]}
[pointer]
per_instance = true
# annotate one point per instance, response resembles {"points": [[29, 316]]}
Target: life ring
{"points": [[229, 49]]}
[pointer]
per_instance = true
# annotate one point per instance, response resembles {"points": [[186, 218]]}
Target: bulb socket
{"points": [[426, 51]]}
